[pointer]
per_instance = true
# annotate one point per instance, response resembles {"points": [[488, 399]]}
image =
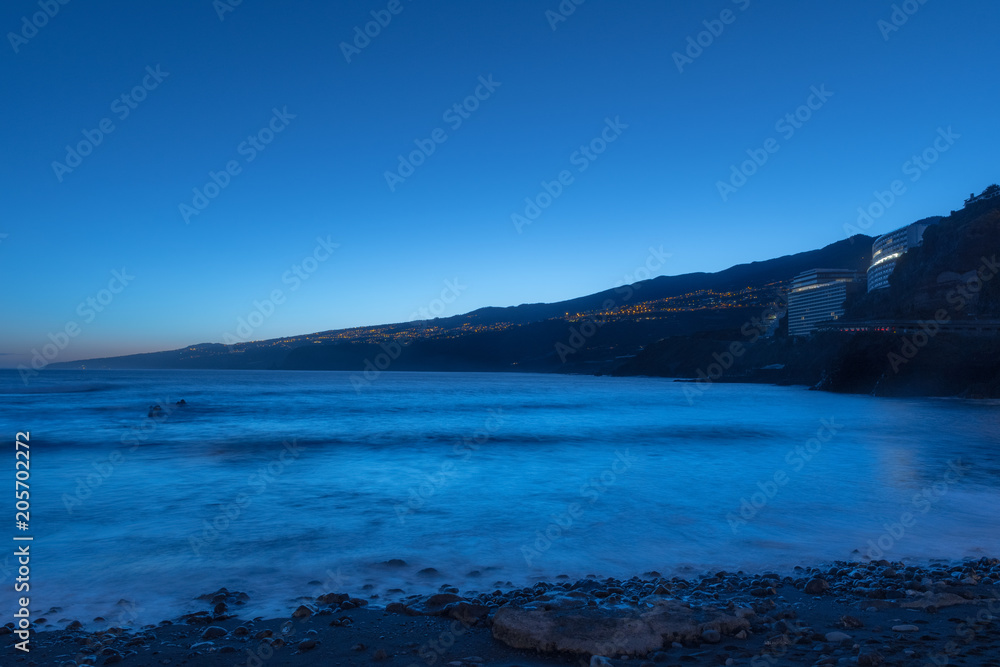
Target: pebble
{"points": [[302, 612], [851, 622], [817, 586], [905, 628]]}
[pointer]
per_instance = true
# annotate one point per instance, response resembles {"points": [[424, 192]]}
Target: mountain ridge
{"points": [[758, 281]]}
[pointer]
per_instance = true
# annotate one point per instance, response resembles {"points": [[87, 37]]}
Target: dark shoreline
{"points": [[841, 613]]}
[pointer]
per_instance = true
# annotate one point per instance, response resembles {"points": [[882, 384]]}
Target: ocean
{"points": [[285, 484]]}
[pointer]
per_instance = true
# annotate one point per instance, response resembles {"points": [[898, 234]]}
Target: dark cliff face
{"points": [[882, 364], [947, 271], [953, 276]]}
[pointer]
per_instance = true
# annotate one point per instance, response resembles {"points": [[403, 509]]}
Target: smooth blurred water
{"points": [[463, 473]]}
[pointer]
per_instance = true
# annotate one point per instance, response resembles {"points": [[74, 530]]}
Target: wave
{"points": [[58, 389]]}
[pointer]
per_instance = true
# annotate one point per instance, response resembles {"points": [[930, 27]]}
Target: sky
{"points": [[171, 168]]}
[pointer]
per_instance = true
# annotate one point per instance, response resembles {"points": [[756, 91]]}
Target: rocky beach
{"points": [[841, 613]]}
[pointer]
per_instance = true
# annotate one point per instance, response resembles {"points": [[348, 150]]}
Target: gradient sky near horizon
{"points": [[323, 175]]}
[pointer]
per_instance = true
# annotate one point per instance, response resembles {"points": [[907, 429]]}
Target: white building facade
{"points": [[818, 295], [888, 248]]}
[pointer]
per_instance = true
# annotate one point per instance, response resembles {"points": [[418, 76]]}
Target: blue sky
{"points": [[220, 81]]}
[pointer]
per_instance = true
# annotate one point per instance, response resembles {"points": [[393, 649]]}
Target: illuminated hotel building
{"points": [[818, 295], [887, 249]]}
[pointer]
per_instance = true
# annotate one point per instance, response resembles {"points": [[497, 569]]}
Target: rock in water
{"points": [[599, 661], [213, 632]]}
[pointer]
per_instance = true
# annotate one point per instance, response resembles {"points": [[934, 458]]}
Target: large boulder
{"points": [[436, 605], [596, 631], [931, 599]]}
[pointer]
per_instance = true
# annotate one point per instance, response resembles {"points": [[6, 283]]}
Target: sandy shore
{"points": [[838, 614]]}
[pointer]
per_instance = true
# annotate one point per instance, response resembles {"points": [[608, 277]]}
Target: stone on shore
{"points": [[467, 613], [333, 598], [614, 632], [817, 586], [711, 636], [302, 612], [938, 600], [437, 604]]}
